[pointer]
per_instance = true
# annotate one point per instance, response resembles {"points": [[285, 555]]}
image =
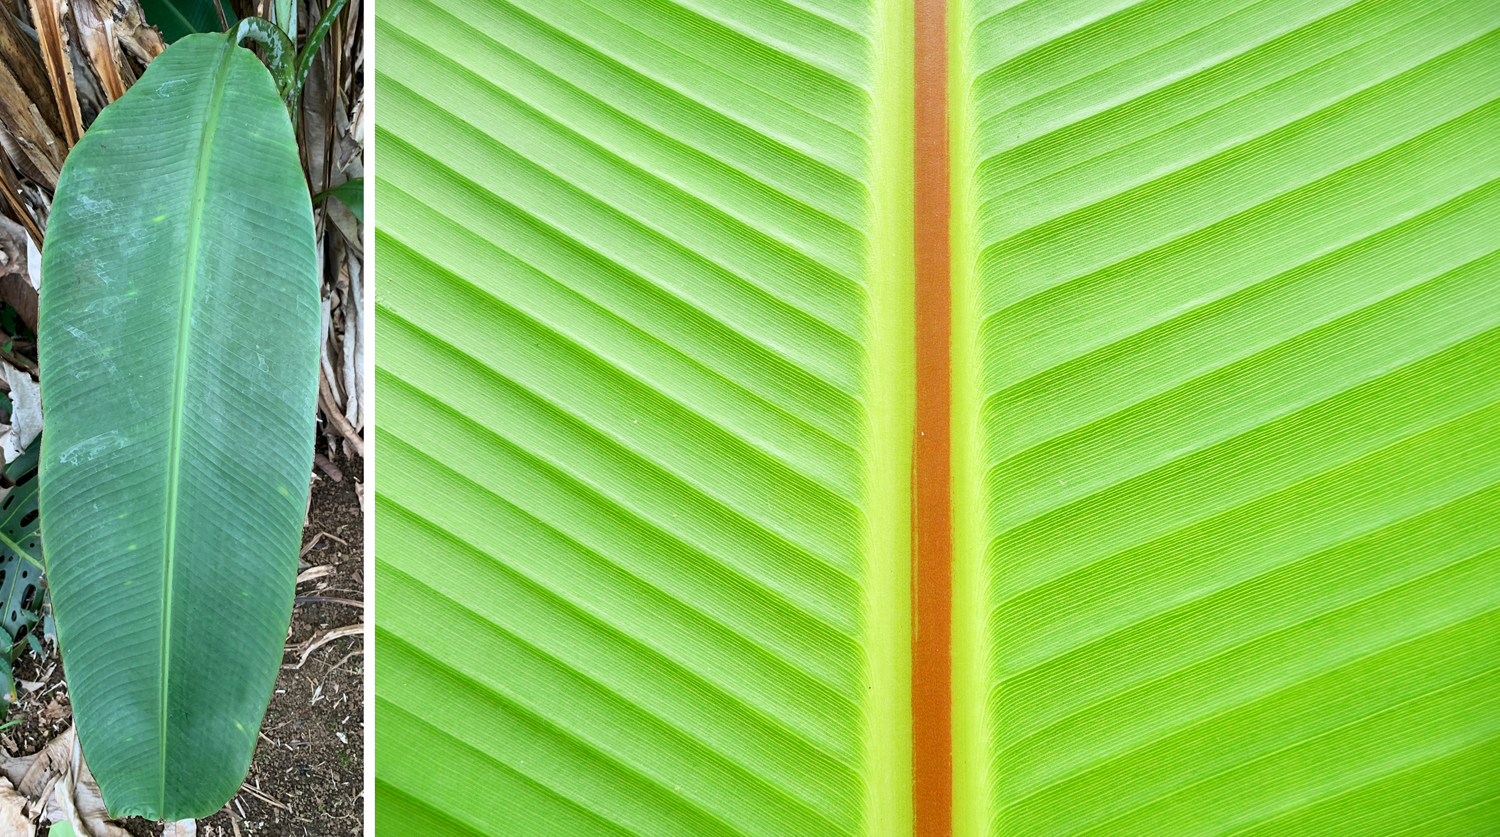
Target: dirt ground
{"points": [[307, 775]]}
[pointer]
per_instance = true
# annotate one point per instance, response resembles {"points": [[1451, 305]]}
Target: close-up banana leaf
{"points": [[1189, 310]]}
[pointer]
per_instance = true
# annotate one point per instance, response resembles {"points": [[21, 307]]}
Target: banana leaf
{"points": [[179, 18], [179, 348], [645, 393], [1227, 454], [1226, 417]]}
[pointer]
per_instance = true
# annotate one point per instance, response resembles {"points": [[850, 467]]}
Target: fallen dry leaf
{"points": [[314, 573], [26, 412], [34, 261], [323, 639], [88, 803], [57, 782], [56, 710], [16, 291], [181, 828], [34, 775], [13, 819]]}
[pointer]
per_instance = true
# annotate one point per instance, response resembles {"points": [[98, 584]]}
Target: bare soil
{"points": [[307, 775]]}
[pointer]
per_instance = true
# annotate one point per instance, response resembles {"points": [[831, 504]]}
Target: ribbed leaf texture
{"points": [[1229, 433], [643, 375], [179, 367]]}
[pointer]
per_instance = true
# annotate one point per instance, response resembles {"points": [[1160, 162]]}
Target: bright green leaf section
{"points": [[350, 193], [179, 350], [1228, 417], [179, 18], [644, 375]]}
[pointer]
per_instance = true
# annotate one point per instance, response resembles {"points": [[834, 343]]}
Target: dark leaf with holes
{"points": [[20, 545]]}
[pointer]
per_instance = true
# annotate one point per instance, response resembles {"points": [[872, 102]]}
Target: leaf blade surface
{"points": [[645, 385], [178, 342], [1228, 399]]}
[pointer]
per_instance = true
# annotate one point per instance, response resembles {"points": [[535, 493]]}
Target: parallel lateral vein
{"points": [[488, 416]]}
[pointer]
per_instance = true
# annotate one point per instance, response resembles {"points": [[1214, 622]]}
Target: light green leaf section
{"points": [[644, 376], [1227, 428], [350, 193], [179, 348]]}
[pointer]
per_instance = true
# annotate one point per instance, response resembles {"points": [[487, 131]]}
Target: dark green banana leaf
{"points": [[179, 347], [179, 18]]}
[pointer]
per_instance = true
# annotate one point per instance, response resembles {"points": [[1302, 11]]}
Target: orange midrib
{"points": [[932, 531]]}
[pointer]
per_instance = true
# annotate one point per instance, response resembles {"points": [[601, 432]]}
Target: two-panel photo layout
{"points": [[750, 418]]}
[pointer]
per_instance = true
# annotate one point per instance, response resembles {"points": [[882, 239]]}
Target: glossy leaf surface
{"points": [[179, 350]]}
